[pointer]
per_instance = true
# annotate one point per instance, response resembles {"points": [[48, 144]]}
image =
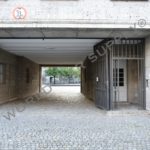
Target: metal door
{"points": [[102, 83], [107, 94], [125, 51]]}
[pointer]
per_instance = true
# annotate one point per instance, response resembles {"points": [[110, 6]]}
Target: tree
{"points": [[63, 72], [52, 71]]}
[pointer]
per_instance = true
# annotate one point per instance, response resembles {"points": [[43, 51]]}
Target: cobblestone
{"points": [[55, 124]]}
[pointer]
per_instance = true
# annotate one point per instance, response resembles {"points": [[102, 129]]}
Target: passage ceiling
{"points": [[51, 51], [61, 46]]}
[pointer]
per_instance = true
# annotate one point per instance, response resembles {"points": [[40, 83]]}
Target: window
{"points": [[27, 75], [119, 78], [2, 73]]}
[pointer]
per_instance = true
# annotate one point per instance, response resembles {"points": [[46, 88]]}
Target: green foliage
{"points": [[63, 71], [52, 71]]}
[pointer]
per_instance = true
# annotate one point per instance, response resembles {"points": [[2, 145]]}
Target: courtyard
{"points": [[66, 120]]}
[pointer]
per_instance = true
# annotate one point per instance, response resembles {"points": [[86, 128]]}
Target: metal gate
{"points": [[114, 70], [102, 82], [127, 73]]}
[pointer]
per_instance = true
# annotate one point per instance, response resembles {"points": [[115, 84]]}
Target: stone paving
{"points": [[65, 121]]}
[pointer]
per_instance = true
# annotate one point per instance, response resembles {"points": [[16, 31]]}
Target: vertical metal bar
{"points": [[143, 66], [121, 48], [98, 69], [115, 81], [126, 48], [111, 88], [102, 77], [117, 50], [40, 78], [130, 49], [136, 49], [107, 82], [118, 99], [118, 75], [114, 86], [100, 74], [141, 82], [140, 50], [134, 43], [104, 80], [143, 87], [115, 70], [126, 78], [139, 94], [101, 85]]}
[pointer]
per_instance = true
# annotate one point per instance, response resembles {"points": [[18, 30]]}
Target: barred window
{"points": [[118, 80]]}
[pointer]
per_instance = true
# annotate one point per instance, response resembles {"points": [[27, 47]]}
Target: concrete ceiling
{"points": [[72, 33], [60, 46], [50, 51]]}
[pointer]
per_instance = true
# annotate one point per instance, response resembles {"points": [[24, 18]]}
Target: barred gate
{"points": [[128, 59], [113, 69], [102, 83]]}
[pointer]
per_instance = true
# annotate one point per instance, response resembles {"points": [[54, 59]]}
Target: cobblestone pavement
{"points": [[71, 122]]}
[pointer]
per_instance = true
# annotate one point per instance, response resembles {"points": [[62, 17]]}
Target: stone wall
{"points": [[8, 89], [28, 77], [16, 85], [76, 11]]}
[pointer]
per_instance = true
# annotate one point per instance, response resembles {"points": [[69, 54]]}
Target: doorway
{"points": [[120, 75], [128, 84], [120, 80]]}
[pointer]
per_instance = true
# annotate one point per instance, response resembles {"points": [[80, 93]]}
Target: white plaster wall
{"points": [[78, 11], [147, 65]]}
